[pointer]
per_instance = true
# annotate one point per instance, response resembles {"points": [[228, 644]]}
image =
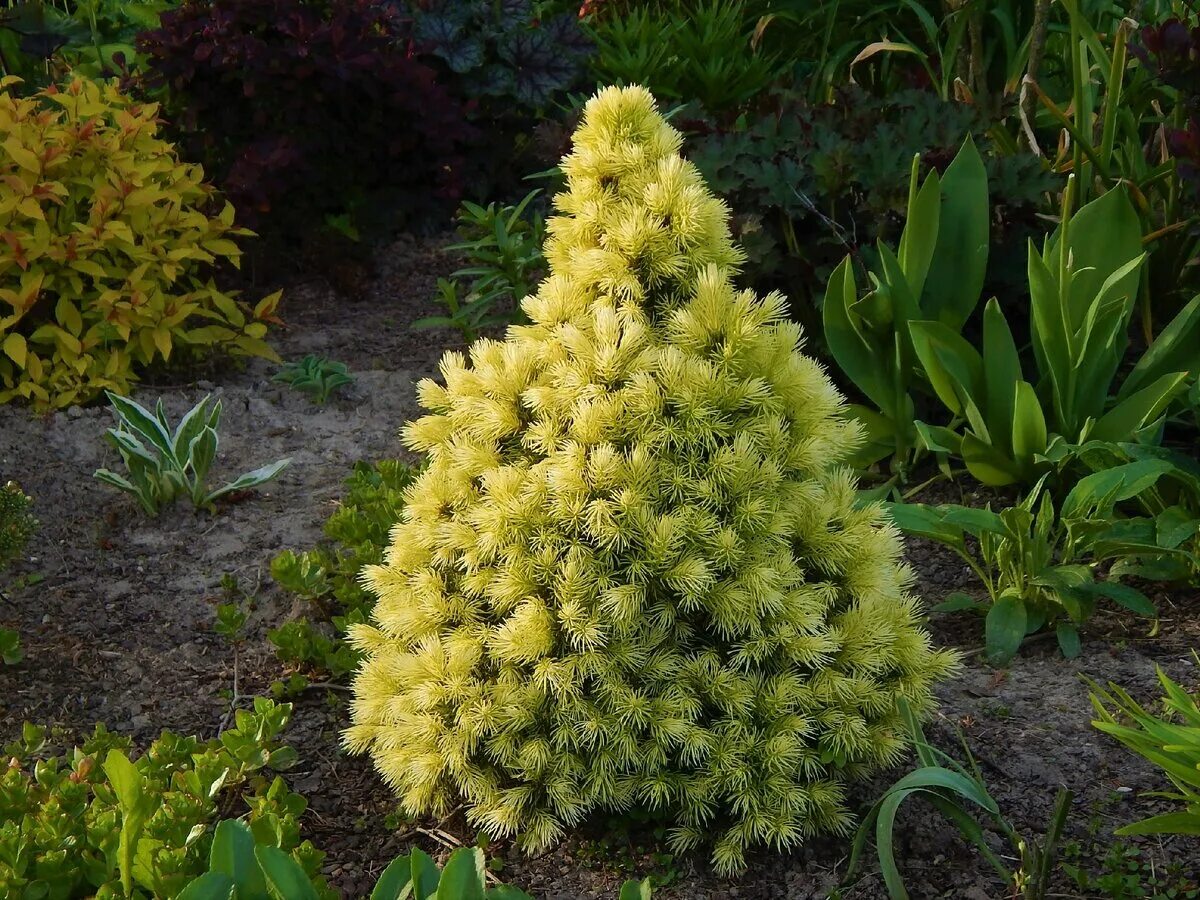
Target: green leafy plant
{"points": [[240, 867], [163, 464], [958, 792], [633, 574], [1160, 530], [17, 525], [97, 822], [327, 577], [10, 647], [1040, 568], [1083, 288], [1125, 872], [1170, 741], [503, 249], [701, 50], [315, 376], [41, 40], [936, 274]]}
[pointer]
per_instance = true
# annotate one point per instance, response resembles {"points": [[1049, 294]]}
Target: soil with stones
{"points": [[120, 630]]}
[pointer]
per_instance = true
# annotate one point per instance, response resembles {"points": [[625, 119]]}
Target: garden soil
{"points": [[119, 630]]}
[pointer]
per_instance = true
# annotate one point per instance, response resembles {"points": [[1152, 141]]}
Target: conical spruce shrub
{"points": [[633, 573]]}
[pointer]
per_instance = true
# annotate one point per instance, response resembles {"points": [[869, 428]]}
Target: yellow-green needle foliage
{"points": [[633, 574]]}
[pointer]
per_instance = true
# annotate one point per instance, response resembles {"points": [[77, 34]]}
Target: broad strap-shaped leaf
{"points": [[1139, 408], [1168, 823], [952, 366], [394, 879], [959, 264], [1174, 350], [857, 356], [1001, 372], [232, 854], [1104, 236], [988, 464], [210, 886], [920, 234], [424, 875], [1029, 435], [143, 423]]}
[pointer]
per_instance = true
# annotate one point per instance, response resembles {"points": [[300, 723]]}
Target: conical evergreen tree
{"points": [[633, 573]]}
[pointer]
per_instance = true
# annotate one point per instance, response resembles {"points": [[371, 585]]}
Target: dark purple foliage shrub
{"points": [[304, 110]]}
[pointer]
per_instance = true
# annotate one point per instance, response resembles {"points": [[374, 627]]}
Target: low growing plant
{"points": [[1170, 741], [687, 50], [1006, 428], [503, 250], [162, 464], [106, 264], [1041, 568], [327, 577], [315, 376], [96, 822], [16, 527], [241, 867]]}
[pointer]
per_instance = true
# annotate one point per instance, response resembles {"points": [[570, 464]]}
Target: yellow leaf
{"points": [[267, 305], [31, 208], [22, 156], [68, 316], [162, 340], [14, 348]]}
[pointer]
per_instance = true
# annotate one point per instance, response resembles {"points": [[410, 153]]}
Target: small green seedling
{"points": [[315, 376]]}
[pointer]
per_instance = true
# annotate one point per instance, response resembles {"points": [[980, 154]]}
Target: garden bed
{"points": [[116, 611]]}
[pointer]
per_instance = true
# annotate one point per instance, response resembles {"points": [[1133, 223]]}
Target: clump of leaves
{"points": [[506, 57], [303, 110], [503, 250], [16, 527], [95, 821], [328, 575], [17, 523], [688, 50], [109, 247], [513, 63], [43, 40], [1041, 569], [163, 463], [809, 183], [315, 376]]}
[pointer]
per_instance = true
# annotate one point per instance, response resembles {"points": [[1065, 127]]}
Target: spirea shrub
{"points": [[633, 573], [108, 246]]}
